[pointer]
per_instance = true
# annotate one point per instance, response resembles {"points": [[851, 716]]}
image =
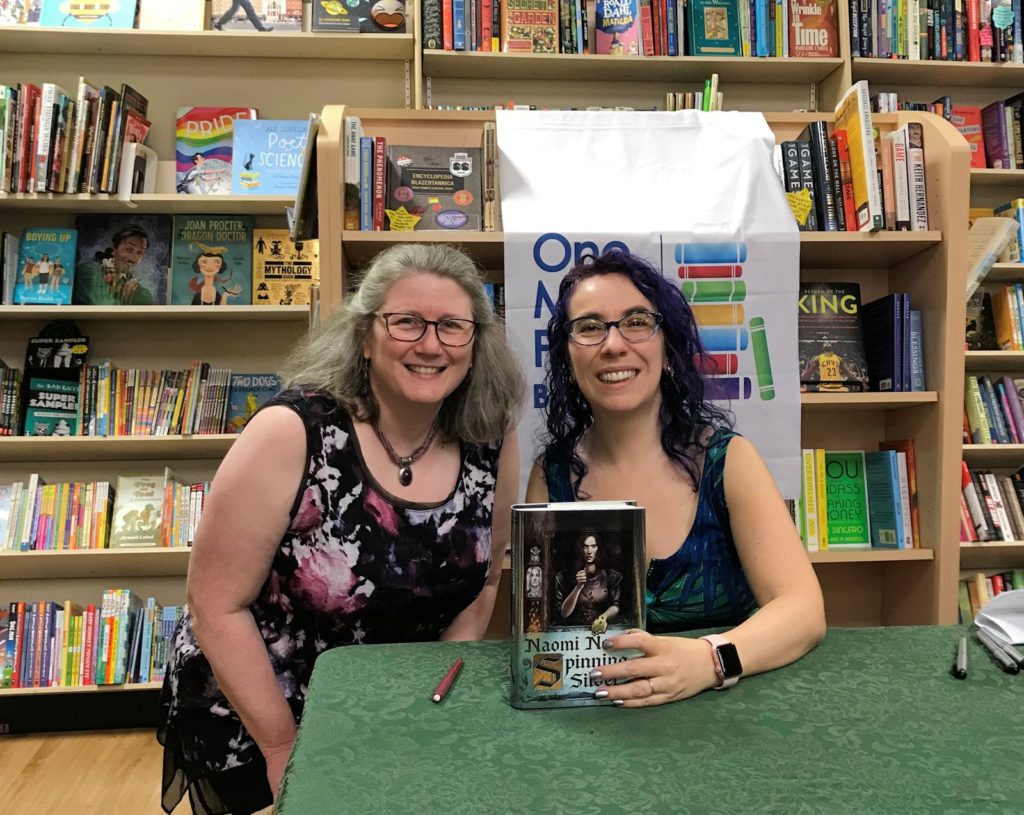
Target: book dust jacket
{"points": [[577, 579]]}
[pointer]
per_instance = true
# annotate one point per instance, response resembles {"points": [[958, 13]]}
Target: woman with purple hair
{"points": [[625, 398]]}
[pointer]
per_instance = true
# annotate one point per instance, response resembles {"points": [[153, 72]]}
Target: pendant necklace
{"points": [[404, 463]]}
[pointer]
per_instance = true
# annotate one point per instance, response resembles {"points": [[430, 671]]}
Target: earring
{"points": [[364, 376]]}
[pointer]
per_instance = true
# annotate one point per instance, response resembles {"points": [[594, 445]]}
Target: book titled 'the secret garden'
{"points": [[577, 579]]}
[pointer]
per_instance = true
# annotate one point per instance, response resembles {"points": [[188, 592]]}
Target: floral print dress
{"points": [[356, 566]]}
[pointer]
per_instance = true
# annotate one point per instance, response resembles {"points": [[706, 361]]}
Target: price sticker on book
{"points": [[800, 203]]}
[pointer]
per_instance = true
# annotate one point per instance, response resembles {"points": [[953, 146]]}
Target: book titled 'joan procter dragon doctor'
{"points": [[577, 579]]}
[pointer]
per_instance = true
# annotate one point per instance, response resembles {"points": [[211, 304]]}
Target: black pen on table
{"points": [[442, 689], [1006, 662], [959, 669]]}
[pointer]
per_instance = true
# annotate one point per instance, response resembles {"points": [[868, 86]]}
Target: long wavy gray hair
{"points": [[330, 359]]}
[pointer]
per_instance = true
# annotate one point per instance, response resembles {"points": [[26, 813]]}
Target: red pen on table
{"points": [[449, 679]]}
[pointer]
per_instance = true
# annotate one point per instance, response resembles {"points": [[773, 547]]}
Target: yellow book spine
{"points": [[822, 498]]}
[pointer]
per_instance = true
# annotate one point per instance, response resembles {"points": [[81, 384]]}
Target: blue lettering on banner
{"points": [[568, 254], [540, 346], [540, 396], [543, 300]]}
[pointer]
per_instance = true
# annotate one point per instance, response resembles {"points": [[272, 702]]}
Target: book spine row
{"points": [[122, 641], [978, 588], [993, 410], [991, 506]]}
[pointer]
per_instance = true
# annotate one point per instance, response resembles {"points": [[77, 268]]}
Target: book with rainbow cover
{"points": [[203, 148]]}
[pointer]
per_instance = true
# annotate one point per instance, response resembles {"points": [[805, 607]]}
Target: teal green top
{"points": [[868, 722], [701, 585]]}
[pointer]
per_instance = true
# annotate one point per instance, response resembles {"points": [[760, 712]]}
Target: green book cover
{"points": [[846, 500]]}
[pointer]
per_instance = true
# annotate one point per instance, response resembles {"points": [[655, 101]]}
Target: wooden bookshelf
{"points": [[864, 587], [1006, 272], [937, 73], [984, 361], [991, 555], [996, 178], [161, 203], [987, 456], [114, 448], [35, 692], [107, 563], [221, 314]]}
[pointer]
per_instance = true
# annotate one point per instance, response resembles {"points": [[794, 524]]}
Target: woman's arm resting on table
{"points": [[472, 621], [790, 619], [245, 516]]}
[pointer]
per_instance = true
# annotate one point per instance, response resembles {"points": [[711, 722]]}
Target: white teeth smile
{"points": [[616, 376], [423, 369]]}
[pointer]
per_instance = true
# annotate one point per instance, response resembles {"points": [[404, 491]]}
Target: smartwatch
{"points": [[726, 661]]}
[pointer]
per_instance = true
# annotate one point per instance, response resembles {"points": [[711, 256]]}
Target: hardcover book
{"points": [[115, 14], [283, 271], [267, 156], [122, 260], [45, 270], [382, 16], [171, 15], [204, 138], [12, 12], [577, 578], [714, 28], [261, 15], [337, 16], [617, 29], [138, 510], [211, 260], [530, 25], [248, 393], [434, 188], [813, 29], [831, 342]]}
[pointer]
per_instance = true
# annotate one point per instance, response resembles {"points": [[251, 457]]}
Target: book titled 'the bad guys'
{"points": [[577, 579]]}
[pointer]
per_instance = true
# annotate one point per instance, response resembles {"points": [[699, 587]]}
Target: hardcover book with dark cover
{"points": [[577, 578], [440, 186], [831, 343]]}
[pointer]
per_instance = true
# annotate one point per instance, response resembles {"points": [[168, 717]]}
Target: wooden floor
{"points": [[108, 771]]}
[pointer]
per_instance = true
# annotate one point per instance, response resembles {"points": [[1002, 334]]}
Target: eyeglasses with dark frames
{"points": [[451, 331], [637, 326]]}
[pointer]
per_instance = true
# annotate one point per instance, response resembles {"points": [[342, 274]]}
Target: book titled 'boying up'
{"points": [[577, 579]]}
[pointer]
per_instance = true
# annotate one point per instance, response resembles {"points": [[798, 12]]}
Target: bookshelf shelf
{"points": [[818, 250], [1006, 272], [994, 455], [996, 178], [982, 361], [937, 73], [136, 686], [114, 448], [196, 313], [991, 554], [866, 401], [154, 203], [83, 563], [590, 67], [191, 44], [872, 556]]}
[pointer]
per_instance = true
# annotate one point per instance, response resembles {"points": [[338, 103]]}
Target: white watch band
{"points": [[714, 640]]}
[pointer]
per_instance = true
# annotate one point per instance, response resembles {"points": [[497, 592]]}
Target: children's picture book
{"points": [[618, 27], [530, 25], [283, 271], [45, 271], [267, 156], [577, 578], [138, 510], [114, 14], [382, 16], [261, 15], [211, 260], [434, 188], [122, 260], [179, 15], [831, 342], [204, 138], [248, 393], [12, 12], [337, 16], [53, 391]]}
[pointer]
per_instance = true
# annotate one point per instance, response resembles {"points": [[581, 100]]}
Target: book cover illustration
{"points": [[211, 260], [714, 28], [618, 27], [52, 377], [119, 14], [204, 138], [122, 260], [12, 12], [530, 25], [434, 188], [846, 500], [138, 510], [248, 393], [181, 15], [831, 343], [262, 15], [381, 16], [45, 270], [337, 16], [814, 28], [283, 271], [267, 156], [577, 578]]}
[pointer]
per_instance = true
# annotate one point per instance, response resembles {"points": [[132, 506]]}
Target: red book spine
{"points": [[19, 646], [89, 646], [973, 34], [380, 174], [647, 28], [663, 30], [846, 177], [447, 26], [486, 24]]}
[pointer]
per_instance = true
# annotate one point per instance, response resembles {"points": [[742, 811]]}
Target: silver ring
{"points": [[651, 683]]}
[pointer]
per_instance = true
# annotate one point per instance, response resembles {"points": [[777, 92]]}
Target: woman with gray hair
{"points": [[366, 503]]}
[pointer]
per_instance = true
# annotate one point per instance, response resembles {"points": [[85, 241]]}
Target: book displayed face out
{"points": [[577, 579]]}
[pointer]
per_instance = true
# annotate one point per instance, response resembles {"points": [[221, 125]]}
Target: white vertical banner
{"points": [[697, 196]]}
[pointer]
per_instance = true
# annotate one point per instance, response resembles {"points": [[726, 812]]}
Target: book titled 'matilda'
{"points": [[576, 580]]}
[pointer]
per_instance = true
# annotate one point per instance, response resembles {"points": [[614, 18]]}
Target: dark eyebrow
{"points": [[596, 316]]}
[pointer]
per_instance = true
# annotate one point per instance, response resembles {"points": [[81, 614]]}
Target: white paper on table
{"points": [[1003, 616]]}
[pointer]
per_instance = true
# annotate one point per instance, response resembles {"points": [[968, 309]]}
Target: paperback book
{"points": [[248, 394], [138, 510], [45, 270], [227, 15], [116, 14], [267, 156], [211, 260], [577, 579], [282, 271]]}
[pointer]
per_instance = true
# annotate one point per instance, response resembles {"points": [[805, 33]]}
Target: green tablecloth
{"points": [[870, 722]]}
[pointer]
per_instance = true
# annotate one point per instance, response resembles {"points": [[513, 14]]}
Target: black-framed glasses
{"points": [[637, 326], [451, 331]]}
